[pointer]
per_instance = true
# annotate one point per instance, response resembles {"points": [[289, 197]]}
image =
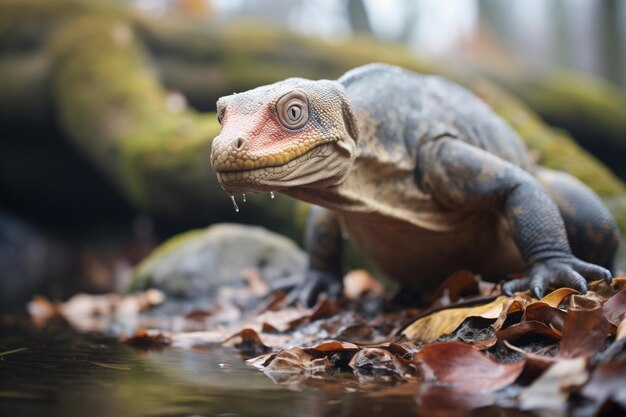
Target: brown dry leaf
{"points": [[465, 368], [338, 353], [555, 298], [608, 381], [601, 291], [289, 318], [512, 305], [551, 390], [148, 340], [551, 316], [275, 301], [359, 282], [403, 350], [614, 309], [585, 331], [297, 360], [248, 341], [461, 283], [442, 322], [525, 328], [332, 346], [262, 361], [373, 359]]}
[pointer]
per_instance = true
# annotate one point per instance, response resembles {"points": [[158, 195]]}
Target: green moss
{"points": [[571, 99], [555, 148]]}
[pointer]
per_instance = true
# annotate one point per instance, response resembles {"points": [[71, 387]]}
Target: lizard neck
{"points": [[330, 197]]}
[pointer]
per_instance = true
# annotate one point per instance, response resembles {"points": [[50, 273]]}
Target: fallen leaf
{"points": [[442, 322], [515, 304], [601, 291], [262, 361], [551, 390], [275, 301], [297, 360], [614, 309], [148, 340], [608, 381], [287, 319], [459, 284], [338, 353], [332, 346], [555, 298], [403, 350], [526, 328], [585, 331], [551, 316], [465, 368], [248, 342], [372, 360], [359, 282]]}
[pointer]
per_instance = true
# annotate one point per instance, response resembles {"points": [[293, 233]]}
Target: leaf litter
{"points": [[471, 348]]}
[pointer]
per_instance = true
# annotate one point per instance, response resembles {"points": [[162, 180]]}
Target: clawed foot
{"points": [[315, 283], [557, 272]]}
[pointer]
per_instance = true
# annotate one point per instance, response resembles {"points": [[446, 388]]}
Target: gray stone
{"points": [[195, 264]]}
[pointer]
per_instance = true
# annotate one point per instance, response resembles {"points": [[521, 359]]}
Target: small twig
{"points": [[9, 352]]}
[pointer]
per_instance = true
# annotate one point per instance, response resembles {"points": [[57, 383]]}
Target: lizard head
{"points": [[292, 133]]}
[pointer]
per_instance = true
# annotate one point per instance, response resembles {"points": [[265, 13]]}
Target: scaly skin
{"points": [[420, 174]]}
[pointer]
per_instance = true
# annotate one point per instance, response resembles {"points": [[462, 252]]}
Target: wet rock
{"points": [[195, 264]]}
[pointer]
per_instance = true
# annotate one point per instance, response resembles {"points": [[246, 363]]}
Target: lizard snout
{"points": [[228, 152]]}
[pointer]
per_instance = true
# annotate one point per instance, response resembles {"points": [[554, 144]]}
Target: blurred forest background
{"points": [[107, 108]]}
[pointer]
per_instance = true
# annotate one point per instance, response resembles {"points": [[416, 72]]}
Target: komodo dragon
{"points": [[420, 174]]}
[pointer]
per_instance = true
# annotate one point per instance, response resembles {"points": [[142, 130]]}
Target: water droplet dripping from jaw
{"points": [[271, 194], [232, 197], [244, 198]]}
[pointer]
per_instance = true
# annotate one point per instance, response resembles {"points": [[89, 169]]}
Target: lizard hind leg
{"points": [[591, 229]]}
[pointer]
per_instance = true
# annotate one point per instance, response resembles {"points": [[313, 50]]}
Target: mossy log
{"points": [[111, 104], [591, 110]]}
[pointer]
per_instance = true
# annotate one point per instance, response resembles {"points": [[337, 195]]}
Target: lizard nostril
{"points": [[240, 143]]}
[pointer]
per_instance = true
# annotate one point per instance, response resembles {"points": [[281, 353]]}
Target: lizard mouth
{"points": [[273, 176], [232, 160]]}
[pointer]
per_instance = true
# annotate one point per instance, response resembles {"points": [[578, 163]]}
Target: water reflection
{"points": [[56, 371]]}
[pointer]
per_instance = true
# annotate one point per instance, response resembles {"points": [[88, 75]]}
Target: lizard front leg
{"points": [[323, 243], [463, 177]]}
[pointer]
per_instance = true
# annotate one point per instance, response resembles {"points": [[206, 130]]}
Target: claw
{"points": [[537, 292], [506, 290]]}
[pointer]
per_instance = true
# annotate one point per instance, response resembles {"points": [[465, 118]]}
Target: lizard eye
{"points": [[293, 110]]}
